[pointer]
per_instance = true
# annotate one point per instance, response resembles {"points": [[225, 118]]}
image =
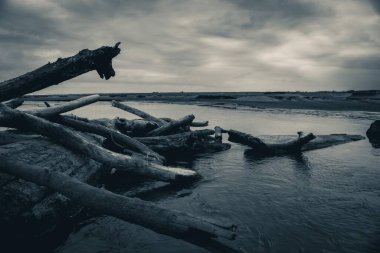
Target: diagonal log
{"points": [[65, 107], [143, 213], [258, 145], [172, 125], [63, 69], [74, 141], [138, 112]]}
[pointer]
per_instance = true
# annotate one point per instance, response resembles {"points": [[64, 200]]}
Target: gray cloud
{"points": [[191, 45]]}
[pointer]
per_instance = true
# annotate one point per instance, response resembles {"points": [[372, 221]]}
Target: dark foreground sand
{"points": [[336, 101]]}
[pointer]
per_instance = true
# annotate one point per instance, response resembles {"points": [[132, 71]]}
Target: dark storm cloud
{"points": [[199, 44], [376, 5]]}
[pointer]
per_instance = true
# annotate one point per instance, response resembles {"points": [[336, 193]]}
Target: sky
{"points": [[199, 45]]}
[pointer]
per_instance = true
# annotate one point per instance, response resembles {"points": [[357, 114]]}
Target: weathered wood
{"points": [[14, 103], [172, 125], [63, 69], [199, 124], [7, 137], [280, 143], [134, 127], [257, 144], [76, 142], [218, 134], [18, 195], [193, 123], [169, 222], [118, 139], [176, 143], [65, 107], [138, 112]]}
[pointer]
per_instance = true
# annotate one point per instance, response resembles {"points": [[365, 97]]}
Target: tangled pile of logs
{"points": [[54, 151]]}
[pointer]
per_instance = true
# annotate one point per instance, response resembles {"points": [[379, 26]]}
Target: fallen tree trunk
{"points": [[14, 103], [118, 139], [63, 69], [65, 107], [172, 125], [74, 141], [259, 146], [146, 214], [138, 112]]}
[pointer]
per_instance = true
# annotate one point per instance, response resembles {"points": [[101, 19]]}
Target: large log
{"points": [[172, 125], [63, 69], [138, 112], [65, 107], [262, 144], [146, 214], [258, 145], [74, 141], [118, 139]]}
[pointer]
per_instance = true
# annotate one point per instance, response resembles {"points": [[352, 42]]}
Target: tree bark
{"points": [[63, 69], [172, 125], [74, 141], [258, 145], [65, 107], [138, 112], [134, 127], [131, 210]]}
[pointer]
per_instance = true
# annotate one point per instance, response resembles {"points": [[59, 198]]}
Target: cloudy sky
{"points": [[200, 45]]}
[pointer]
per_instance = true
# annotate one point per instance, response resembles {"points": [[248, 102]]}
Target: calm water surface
{"points": [[325, 200]]}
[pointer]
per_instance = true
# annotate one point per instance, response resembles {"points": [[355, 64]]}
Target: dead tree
{"points": [[63, 69], [74, 141], [146, 214]]}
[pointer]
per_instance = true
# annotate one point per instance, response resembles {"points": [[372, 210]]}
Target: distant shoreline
{"points": [[335, 101]]}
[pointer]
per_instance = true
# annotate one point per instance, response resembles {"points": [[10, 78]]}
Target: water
{"points": [[325, 200]]}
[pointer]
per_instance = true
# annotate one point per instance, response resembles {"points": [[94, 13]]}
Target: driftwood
{"points": [[76, 142], [218, 134], [63, 69], [62, 108], [176, 143], [193, 123], [258, 145], [134, 127], [172, 125], [7, 137], [173, 223], [117, 138], [14, 103], [290, 144], [138, 112]]}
